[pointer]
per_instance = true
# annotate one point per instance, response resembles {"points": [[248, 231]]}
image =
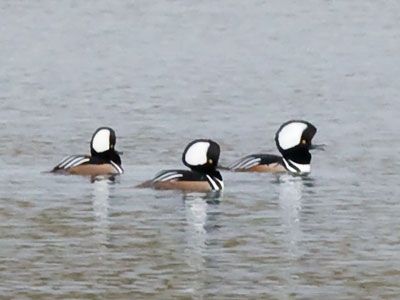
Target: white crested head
{"points": [[293, 140], [289, 136], [101, 140], [196, 154]]}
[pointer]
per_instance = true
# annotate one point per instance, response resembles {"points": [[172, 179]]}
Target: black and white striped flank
{"points": [[167, 175], [245, 162], [72, 161]]}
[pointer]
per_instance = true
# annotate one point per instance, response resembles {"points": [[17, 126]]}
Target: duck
{"points": [[104, 158], [201, 157], [294, 141]]}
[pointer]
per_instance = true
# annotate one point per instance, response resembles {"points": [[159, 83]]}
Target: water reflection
{"points": [[201, 219], [101, 206], [290, 203]]}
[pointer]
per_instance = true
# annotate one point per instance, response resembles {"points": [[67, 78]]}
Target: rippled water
{"points": [[162, 73]]}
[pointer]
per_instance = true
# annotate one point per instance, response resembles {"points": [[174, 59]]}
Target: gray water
{"points": [[162, 73]]}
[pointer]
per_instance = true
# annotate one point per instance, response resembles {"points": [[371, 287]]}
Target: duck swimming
{"points": [[293, 140]]}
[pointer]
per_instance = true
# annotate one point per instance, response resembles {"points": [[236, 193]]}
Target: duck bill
{"points": [[320, 147]]}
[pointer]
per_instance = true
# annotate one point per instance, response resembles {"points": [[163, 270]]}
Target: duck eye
{"points": [[210, 161], [303, 142]]}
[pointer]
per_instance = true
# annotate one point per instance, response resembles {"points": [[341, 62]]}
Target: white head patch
{"points": [[196, 155], [101, 141], [290, 135]]}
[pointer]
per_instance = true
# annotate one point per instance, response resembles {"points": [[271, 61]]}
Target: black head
{"points": [[201, 155], [293, 140], [102, 145]]}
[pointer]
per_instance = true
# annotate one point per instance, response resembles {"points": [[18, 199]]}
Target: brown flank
{"points": [[92, 170], [274, 168]]}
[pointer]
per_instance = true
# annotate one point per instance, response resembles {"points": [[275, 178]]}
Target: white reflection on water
{"points": [[101, 205], [290, 202], [196, 233]]}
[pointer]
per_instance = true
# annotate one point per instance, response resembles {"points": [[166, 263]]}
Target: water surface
{"points": [[162, 73]]}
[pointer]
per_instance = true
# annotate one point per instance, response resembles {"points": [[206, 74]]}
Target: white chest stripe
{"points": [[220, 182], [118, 168], [303, 168], [214, 183]]}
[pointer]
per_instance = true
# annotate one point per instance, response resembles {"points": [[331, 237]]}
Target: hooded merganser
{"points": [[201, 156], [293, 140], [104, 159]]}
